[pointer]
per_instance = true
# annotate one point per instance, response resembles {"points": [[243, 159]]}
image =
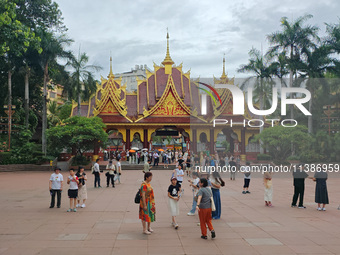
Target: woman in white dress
{"points": [[268, 188]]}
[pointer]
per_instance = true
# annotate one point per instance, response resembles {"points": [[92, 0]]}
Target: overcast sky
{"points": [[200, 31]]}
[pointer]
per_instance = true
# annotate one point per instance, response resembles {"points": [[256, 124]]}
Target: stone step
{"points": [[25, 167]]}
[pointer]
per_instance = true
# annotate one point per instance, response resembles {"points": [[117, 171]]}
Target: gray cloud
{"points": [[200, 32]]}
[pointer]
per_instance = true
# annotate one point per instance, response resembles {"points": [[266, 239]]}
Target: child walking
{"points": [[73, 190], [246, 179], [174, 195]]}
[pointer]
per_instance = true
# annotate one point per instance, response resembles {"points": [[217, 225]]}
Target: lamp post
{"points": [[9, 111]]}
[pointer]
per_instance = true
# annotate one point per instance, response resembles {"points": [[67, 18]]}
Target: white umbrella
{"points": [[145, 149], [135, 148]]}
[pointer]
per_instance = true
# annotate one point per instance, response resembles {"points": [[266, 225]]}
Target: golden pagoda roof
{"points": [[167, 60]]}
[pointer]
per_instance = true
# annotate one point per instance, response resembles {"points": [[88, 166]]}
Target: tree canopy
{"points": [[80, 133]]}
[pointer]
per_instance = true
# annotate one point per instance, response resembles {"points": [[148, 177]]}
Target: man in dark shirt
{"points": [[299, 176], [180, 162]]}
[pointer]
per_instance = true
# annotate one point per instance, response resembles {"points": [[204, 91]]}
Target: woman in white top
{"points": [[82, 191], [119, 170], [110, 174]]}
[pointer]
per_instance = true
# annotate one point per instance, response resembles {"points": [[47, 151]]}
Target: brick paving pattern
{"points": [[110, 225]]}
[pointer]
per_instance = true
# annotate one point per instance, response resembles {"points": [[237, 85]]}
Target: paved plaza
{"points": [[110, 225]]}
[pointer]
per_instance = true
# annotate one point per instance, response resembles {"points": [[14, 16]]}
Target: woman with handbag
{"points": [[82, 191], [205, 205], [268, 188], [216, 184], [147, 208]]}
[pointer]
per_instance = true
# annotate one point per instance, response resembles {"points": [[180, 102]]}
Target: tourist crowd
{"points": [[205, 186]]}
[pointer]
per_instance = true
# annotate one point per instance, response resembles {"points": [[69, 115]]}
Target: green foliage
{"points": [[226, 145], [53, 114], [65, 111], [281, 162], [23, 151], [311, 156], [5, 158], [15, 37], [321, 148], [278, 140], [295, 157], [80, 160], [81, 133], [157, 139], [263, 157], [82, 84], [19, 118]]}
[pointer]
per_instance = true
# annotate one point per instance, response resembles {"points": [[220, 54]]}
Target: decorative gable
{"points": [[170, 107]]}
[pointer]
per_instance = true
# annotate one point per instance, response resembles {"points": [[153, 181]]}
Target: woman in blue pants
{"points": [[216, 184]]}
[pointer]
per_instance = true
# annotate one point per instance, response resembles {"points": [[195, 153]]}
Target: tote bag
{"points": [[213, 207]]}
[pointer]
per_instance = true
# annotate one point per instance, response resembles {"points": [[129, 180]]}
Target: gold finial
{"points": [[167, 60], [223, 73], [110, 63]]}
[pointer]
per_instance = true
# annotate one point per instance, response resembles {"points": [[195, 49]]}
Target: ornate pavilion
{"points": [[168, 98]]}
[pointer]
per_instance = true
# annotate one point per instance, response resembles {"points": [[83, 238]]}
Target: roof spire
{"points": [[110, 63], [223, 73], [167, 60]]}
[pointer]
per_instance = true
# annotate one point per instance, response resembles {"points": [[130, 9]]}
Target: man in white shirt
{"points": [[96, 172], [179, 174], [56, 186], [156, 158]]}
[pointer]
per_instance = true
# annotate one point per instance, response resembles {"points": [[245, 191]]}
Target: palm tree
{"points": [[169, 139], [280, 66], [263, 69], [53, 48], [290, 41], [53, 115], [84, 84], [314, 67]]}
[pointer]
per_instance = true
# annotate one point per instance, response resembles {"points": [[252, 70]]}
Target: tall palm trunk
{"points": [[79, 103], [310, 118], [79, 93], [9, 107], [291, 74], [44, 116], [261, 116], [27, 96]]}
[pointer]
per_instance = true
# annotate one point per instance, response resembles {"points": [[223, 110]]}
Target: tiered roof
{"points": [[167, 95]]}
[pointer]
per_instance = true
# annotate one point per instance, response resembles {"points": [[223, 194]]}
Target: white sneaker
{"points": [[78, 205], [319, 209], [83, 206], [190, 214], [323, 209]]}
